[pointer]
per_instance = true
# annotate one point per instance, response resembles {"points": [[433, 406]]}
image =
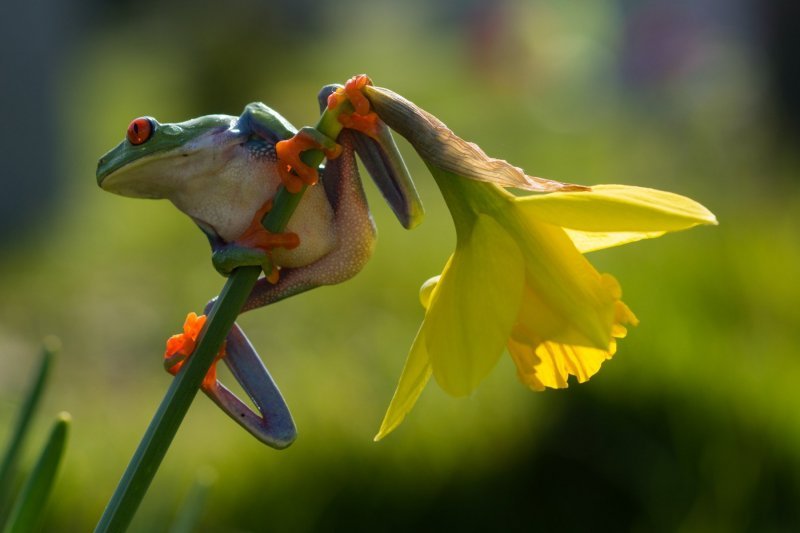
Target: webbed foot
{"points": [[293, 171]]}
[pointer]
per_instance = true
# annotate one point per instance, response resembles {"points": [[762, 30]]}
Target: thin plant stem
{"points": [[27, 511], [26, 413], [165, 423]]}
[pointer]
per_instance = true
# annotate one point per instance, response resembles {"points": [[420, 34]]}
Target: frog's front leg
{"points": [[264, 122]]}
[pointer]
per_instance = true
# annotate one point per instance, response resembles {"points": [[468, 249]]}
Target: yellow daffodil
{"points": [[518, 279]]}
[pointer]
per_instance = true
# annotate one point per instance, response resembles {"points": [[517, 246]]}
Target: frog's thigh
{"points": [[313, 223]]}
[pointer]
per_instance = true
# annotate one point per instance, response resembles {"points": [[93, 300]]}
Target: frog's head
{"points": [[156, 159]]}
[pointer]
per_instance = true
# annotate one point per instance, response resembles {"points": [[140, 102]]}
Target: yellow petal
{"points": [[618, 208], [544, 362], [551, 363], [416, 373], [623, 315], [566, 299], [589, 241], [426, 291], [473, 307]]}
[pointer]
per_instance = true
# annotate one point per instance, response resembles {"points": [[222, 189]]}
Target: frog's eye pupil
{"points": [[140, 130]]}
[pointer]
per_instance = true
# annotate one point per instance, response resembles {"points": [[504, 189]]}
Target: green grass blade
{"points": [[28, 508], [8, 468]]}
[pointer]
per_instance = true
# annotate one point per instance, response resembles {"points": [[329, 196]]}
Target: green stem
{"points": [[24, 419], [164, 425], [27, 511]]}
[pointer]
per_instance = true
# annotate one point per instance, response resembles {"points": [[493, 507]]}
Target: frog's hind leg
{"points": [[273, 424]]}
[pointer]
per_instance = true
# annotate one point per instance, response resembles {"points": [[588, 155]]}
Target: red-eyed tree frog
{"points": [[223, 172]]}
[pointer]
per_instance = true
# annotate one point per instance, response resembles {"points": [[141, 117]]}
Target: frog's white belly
{"points": [[228, 199], [313, 223]]}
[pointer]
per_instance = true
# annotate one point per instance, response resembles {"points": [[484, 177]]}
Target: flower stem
{"points": [[165, 423]]}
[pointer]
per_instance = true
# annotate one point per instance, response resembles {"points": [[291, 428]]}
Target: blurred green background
{"points": [[693, 426]]}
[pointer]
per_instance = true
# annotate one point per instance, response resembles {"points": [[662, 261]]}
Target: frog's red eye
{"points": [[140, 130]]}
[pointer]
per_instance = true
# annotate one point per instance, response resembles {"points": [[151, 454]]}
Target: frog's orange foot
{"points": [[366, 124], [362, 118], [253, 247], [182, 345], [256, 236], [294, 173]]}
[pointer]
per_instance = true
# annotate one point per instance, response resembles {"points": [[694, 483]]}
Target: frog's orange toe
{"points": [[257, 236], [210, 380], [366, 124], [293, 183], [182, 345], [293, 171], [352, 89], [288, 153]]}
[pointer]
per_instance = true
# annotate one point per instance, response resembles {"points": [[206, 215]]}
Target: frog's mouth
{"points": [[135, 179], [134, 190]]}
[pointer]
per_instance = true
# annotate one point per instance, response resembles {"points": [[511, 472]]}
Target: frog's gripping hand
{"points": [[252, 247], [293, 171]]}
